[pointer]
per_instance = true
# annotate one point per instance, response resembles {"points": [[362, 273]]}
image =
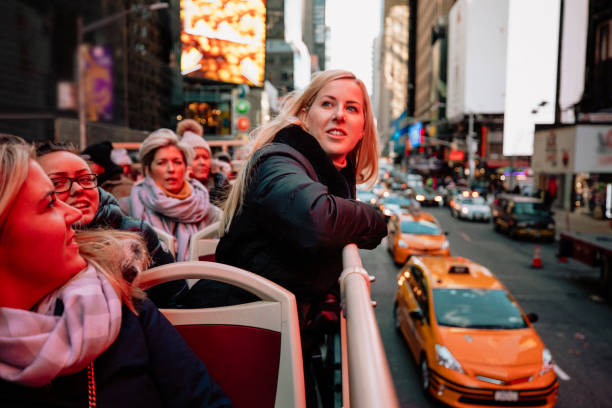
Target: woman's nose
{"points": [[339, 116], [72, 215]]}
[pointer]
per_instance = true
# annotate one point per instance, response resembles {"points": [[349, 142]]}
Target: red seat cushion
{"points": [[243, 360], [207, 258]]}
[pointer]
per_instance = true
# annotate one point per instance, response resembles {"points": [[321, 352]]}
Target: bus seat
{"points": [[202, 246], [167, 239], [252, 350]]}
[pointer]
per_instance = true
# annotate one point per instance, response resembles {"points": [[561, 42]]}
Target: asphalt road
{"points": [[574, 322]]}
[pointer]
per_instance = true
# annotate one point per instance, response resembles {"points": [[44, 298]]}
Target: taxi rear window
{"points": [[476, 309]]}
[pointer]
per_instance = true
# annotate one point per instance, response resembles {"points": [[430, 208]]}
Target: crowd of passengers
{"points": [[76, 231]]}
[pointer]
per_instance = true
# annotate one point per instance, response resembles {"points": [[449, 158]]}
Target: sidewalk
{"points": [[579, 221]]}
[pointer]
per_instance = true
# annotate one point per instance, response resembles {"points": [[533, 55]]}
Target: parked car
{"points": [[473, 343], [522, 216], [416, 234], [471, 208]]}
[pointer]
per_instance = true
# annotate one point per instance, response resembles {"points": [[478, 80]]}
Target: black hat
{"points": [[100, 153]]}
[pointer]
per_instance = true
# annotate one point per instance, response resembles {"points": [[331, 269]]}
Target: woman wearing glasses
{"points": [[76, 185]]}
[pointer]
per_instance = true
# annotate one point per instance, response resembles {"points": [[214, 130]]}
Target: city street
{"points": [[574, 322]]}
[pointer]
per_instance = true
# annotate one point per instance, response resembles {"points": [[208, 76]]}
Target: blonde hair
{"points": [[162, 138], [15, 155], [108, 251], [364, 156], [103, 249]]}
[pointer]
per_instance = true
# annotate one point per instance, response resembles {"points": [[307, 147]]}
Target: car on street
{"points": [[415, 234], [523, 216], [426, 195], [471, 208], [367, 197], [395, 204], [450, 192], [471, 340]]}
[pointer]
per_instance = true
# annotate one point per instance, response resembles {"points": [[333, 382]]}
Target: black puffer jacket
{"points": [[298, 213], [148, 365], [109, 215]]}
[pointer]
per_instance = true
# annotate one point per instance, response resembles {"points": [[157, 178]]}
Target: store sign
{"points": [[593, 149]]}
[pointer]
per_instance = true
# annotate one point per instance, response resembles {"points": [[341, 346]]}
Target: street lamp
{"points": [[81, 31]]}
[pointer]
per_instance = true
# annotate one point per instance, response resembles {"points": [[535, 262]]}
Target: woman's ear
{"points": [[302, 115]]}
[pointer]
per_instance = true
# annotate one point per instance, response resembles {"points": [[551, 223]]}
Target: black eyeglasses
{"points": [[63, 184]]}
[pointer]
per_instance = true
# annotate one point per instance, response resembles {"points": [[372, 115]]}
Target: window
{"points": [[418, 285], [603, 50]]}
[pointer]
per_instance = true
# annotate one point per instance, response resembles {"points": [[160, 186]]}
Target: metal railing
{"points": [[366, 379]]}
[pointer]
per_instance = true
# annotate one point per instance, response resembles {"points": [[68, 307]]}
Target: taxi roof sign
{"points": [[459, 269]]}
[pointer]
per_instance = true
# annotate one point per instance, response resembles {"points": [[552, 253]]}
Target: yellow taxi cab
{"points": [[416, 233], [473, 343]]}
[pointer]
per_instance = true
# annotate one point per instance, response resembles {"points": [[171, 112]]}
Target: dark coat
{"points": [[109, 215], [148, 365], [298, 213]]}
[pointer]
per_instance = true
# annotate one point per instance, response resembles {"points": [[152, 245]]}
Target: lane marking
{"points": [[466, 237], [561, 374]]}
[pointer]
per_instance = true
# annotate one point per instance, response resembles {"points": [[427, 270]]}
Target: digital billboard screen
{"points": [[224, 40]]}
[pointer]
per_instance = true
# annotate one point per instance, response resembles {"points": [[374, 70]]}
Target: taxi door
{"points": [[409, 301], [421, 328], [394, 233]]}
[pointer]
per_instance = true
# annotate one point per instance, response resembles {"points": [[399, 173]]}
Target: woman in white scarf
{"points": [[166, 198], [64, 303]]}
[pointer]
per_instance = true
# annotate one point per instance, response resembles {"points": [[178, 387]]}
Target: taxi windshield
{"points": [[530, 209], [423, 227], [477, 309]]}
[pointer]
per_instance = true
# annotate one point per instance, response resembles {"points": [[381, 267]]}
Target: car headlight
{"points": [[521, 224], [547, 362], [445, 245], [402, 244], [387, 211], [420, 197], [551, 226], [437, 199], [446, 359], [464, 210], [372, 201]]}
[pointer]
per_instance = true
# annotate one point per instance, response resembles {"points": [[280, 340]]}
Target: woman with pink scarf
{"points": [[73, 330], [166, 198]]}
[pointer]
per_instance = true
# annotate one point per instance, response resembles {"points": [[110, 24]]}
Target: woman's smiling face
{"points": [[37, 240], [336, 118]]}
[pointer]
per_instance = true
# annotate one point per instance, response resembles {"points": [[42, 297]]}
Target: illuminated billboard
{"points": [[224, 40]]}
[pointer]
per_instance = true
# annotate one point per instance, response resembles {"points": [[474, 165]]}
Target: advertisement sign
{"points": [[531, 69], [224, 40], [554, 150], [593, 149], [476, 79], [98, 82], [414, 134]]}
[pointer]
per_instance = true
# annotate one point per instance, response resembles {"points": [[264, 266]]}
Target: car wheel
{"points": [[396, 320], [424, 374]]}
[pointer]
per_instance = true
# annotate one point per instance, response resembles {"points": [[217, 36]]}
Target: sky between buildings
{"points": [[354, 24]]}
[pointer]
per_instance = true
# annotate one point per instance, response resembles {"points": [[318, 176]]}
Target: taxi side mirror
{"points": [[445, 232], [533, 317], [417, 314]]}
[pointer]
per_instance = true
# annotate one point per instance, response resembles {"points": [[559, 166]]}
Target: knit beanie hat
{"points": [[100, 153], [195, 140]]}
